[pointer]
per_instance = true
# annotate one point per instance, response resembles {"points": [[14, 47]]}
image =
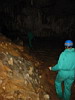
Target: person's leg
{"points": [[58, 86], [30, 43], [67, 89]]}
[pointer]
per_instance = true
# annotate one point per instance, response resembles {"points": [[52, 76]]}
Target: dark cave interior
{"points": [[52, 22], [53, 17]]}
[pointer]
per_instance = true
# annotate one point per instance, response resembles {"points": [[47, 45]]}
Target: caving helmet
{"points": [[68, 43]]}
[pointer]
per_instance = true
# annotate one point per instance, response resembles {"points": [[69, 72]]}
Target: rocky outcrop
{"points": [[19, 76]]}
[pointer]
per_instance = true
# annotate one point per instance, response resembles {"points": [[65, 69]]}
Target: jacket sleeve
{"points": [[60, 63], [55, 68]]}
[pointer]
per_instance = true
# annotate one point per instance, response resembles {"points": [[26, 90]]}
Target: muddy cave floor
{"points": [[48, 53]]}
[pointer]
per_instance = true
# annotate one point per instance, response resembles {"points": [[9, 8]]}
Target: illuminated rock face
{"points": [[19, 76]]}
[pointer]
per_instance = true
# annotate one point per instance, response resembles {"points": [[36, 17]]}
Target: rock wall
{"points": [[19, 77]]}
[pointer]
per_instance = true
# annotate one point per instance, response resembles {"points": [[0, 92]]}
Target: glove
{"points": [[49, 68]]}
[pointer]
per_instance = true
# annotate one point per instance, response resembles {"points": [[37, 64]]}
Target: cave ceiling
{"points": [[38, 16], [48, 6]]}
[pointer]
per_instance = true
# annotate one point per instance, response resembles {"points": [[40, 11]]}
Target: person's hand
{"points": [[49, 68]]}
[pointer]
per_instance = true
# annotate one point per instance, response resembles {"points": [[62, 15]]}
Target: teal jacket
{"points": [[66, 61]]}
